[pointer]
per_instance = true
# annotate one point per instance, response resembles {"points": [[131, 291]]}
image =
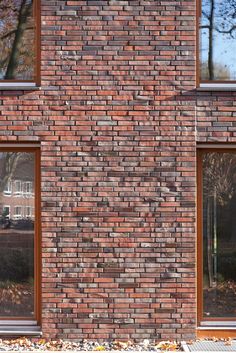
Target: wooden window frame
{"points": [[205, 85], [208, 327], [36, 82], [36, 320]]}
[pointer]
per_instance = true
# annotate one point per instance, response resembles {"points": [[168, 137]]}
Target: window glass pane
{"points": [[16, 235], [7, 188], [217, 40], [219, 234], [17, 38]]}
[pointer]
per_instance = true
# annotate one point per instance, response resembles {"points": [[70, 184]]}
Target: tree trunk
{"points": [[9, 165], [210, 52], [24, 13], [209, 242]]}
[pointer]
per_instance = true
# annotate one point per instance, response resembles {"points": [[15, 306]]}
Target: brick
{"points": [[118, 117]]}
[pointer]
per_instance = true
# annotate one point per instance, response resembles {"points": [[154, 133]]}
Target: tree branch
{"points": [[3, 62], [229, 31], [23, 15], [8, 34], [205, 14]]}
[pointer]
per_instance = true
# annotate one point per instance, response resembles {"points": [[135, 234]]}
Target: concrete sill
{"points": [[20, 331], [18, 86], [217, 87], [211, 328], [204, 324]]}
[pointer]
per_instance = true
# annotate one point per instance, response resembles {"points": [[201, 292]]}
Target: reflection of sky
{"points": [[224, 48]]}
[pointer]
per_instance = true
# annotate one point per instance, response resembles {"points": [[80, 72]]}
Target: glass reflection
{"points": [[219, 234], [217, 40], [17, 40], [16, 234]]}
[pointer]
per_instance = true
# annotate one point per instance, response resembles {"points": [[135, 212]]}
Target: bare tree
{"points": [[218, 190], [220, 71], [217, 16], [219, 176], [9, 163], [24, 13], [16, 39]]}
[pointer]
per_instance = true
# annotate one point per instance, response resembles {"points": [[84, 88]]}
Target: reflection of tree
{"points": [[219, 16], [219, 176], [16, 39], [8, 168], [9, 164], [220, 71], [218, 190]]}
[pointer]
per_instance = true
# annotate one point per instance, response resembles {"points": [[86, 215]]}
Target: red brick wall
{"points": [[116, 121]]}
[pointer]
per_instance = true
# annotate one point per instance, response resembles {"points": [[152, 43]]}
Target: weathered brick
{"points": [[116, 119]]}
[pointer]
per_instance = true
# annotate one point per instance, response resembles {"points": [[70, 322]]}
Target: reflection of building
{"points": [[17, 199], [17, 232], [17, 195]]}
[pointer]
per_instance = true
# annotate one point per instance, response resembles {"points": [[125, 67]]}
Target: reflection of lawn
{"points": [[220, 301], [16, 299]]}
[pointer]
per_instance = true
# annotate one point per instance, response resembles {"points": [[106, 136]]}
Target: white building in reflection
{"points": [[17, 196]]}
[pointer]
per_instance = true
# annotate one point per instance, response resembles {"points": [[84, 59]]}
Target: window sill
{"points": [[9, 330], [217, 87], [217, 325], [218, 328], [24, 86]]}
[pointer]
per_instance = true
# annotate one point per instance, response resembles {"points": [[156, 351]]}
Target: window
{"points": [[28, 188], [6, 212], [17, 212], [217, 41], [216, 236], [18, 187], [28, 212], [8, 188], [19, 234], [19, 42]]}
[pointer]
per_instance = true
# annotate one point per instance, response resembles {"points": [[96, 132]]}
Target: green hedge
{"points": [[16, 265]]}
